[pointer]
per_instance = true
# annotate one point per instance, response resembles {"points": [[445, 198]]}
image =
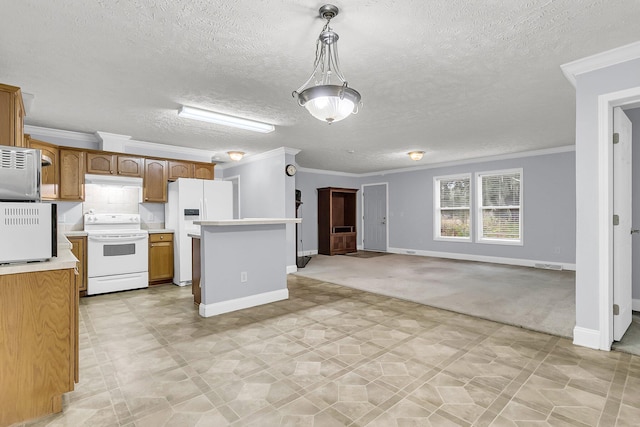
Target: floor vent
{"points": [[549, 266]]}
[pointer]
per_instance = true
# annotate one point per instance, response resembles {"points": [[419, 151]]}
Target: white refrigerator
{"points": [[193, 200]]}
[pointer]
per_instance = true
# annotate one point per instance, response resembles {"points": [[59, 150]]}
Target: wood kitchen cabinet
{"points": [[203, 170], [180, 169], [196, 271], [337, 220], [50, 175], [160, 258], [79, 250], [155, 181], [39, 351], [115, 164], [71, 174], [11, 116]]}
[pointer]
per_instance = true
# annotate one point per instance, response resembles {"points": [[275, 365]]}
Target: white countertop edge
{"points": [[64, 260], [249, 221]]}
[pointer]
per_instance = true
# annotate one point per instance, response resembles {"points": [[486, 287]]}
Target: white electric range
{"points": [[117, 253]]}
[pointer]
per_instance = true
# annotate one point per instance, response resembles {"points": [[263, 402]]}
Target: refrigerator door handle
{"points": [[201, 216], [206, 210]]}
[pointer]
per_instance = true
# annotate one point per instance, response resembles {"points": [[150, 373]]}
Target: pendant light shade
{"points": [[325, 101]]}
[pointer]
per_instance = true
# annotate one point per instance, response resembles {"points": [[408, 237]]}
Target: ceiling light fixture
{"points": [[416, 155], [235, 155], [327, 102], [224, 119]]}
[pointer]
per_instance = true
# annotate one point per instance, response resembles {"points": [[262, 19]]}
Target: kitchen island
{"points": [[243, 263]]}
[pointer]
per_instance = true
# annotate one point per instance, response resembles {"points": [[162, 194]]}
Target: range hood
{"points": [[113, 180]]}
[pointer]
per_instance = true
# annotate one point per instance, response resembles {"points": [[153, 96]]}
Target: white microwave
{"points": [[28, 232], [20, 170]]}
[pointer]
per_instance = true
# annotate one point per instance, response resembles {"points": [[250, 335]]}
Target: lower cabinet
{"points": [[160, 258], [342, 243], [79, 250], [196, 271], [39, 335]]}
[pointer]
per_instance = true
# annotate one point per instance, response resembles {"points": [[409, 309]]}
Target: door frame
{"points": [[606, 103], [386, 186], [235, 178]]}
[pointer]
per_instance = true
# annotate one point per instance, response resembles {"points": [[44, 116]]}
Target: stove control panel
{"points": [[95, 221]]}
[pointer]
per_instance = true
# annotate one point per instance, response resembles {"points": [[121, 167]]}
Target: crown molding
{"points": [[57, 133], [600, 60], [260, 156], [336, 173]]}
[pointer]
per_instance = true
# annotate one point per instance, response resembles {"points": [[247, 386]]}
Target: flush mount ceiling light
{"points": [[325, 101], [224, 119], [416, 155], [235, 155]]}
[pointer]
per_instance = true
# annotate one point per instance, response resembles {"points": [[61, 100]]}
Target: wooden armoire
{"points": [[336, 220]]}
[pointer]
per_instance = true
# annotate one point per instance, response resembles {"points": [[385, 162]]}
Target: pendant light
{"points": [[325, 101]]}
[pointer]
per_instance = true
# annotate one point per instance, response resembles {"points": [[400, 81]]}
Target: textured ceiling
{"points": [[457, 79]]}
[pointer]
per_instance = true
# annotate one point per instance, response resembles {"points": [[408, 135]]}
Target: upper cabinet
{"points": [[71, 174], [180, 169], [11, 116], [155, 181], [115, 164], [50, 175], [203, 170]]}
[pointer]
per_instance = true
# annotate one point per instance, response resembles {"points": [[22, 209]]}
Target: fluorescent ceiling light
{"points": [[223, 119]]}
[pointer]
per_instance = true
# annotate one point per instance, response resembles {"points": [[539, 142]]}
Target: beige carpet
{"points": [[536, 299]]}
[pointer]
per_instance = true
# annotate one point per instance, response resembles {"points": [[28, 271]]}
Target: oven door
{"points": [[112, 254]]}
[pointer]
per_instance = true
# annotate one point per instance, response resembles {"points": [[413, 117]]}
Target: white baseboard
{"points": [[635, 305], [481, 258], [208, 310], [308, 253], [292, 269], [586, 337]]}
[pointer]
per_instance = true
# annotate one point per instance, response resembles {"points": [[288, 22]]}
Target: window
{"points": [[452, 208], [500, 207]]}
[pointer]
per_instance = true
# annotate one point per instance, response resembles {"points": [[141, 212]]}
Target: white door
{"points": [[622, 195], [375, 217]]}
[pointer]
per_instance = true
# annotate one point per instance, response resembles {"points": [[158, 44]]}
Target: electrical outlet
{"points": [[243, 276]]}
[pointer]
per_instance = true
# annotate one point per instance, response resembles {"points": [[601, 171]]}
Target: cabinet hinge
{"points": [[616, 137], [616, 310], [616, 220]]}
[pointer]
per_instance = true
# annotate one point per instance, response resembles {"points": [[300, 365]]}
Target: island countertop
{"points": [[249, 221]]}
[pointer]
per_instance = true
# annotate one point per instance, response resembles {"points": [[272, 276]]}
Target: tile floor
{"points": [[332, 356]]}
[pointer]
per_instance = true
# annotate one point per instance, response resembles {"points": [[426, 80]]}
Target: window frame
{"points": [[437, 215], [479, 208]]}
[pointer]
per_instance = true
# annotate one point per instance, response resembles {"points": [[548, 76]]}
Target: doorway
{"points": [[375, 211], [611, 325], [235, 181]]}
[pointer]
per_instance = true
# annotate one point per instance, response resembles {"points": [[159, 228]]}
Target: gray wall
{"points": [[634, 116], [548, 208], [307, 182], [589, 86], [267, 192]]}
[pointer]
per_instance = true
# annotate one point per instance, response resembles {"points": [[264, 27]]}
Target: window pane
{"points": [[501, 190], [501, 223], [454, 193], [454, 223]]}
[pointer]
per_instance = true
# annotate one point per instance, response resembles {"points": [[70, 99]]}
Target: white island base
{"points": [[243, 263]]}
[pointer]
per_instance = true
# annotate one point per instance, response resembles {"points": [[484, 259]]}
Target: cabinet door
{"points": [[179, 169], [102, 164], [71, 174], [203, 170], [196, 271], [155, 181], [19, 120], [350, 242], [337, 244], [50, 175], [130, 166], [79, 250], [160, 257]]}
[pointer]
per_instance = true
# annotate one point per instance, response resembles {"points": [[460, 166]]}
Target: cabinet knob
{"points": [[111, 171], [161, 237]]}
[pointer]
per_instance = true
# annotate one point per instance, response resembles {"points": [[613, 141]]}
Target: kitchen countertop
{"points": [[249, 221], [77, 233], [160, 230], [64, 260]]}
